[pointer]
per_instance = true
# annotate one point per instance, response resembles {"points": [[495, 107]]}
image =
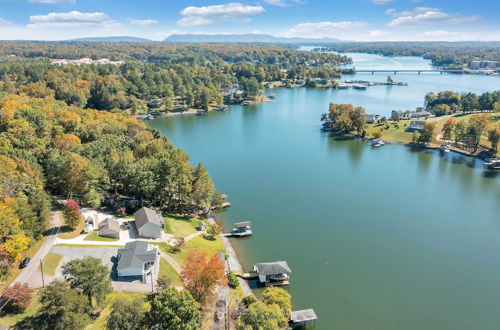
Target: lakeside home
{"points": [[273, 273], [140, 260], [149, 223], [416, 126], [109, 228]]}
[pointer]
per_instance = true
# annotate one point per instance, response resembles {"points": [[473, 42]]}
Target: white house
{"points": [[138, 259]]}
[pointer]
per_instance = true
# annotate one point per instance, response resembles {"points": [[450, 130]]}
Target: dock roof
{"points": [[243, 224], [305, 315], [273, 268]]}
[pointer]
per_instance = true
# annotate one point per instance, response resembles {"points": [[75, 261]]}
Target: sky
{"points": [[361, 20]]}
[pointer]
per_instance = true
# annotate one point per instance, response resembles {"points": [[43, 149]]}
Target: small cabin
{"points": [[273, 273], [201, 226], [242, 229]]}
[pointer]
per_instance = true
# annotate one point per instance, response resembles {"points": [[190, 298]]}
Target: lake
{"points": [[387, 238]]}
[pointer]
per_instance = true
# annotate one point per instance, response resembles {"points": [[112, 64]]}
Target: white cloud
{"points": [[71, 19], [381, 2], [427, 16], [4, 22], [378, 34], [282, 3], [142, 21], [52, 1], [196, 16], [323, 29]]}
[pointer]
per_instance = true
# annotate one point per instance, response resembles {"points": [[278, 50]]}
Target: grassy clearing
{"points": [[90, 245], [201, 244], [67, 232], [94, 236], [395, 132], [180, 226], [168, 271], [100, 322], [50, 263], [14, 271], [11, 320]]}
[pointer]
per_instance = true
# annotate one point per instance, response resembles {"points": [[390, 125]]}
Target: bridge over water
{"points": [[419, 71]]}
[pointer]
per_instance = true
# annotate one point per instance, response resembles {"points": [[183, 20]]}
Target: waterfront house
{"points": [[416, 126], [396, 114], [371, 119], [273, 273], [140, 260], [109, 228], [242, 229], [149, 223]]}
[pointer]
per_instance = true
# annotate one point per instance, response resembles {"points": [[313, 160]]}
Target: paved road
{"points": [[26, 274]]}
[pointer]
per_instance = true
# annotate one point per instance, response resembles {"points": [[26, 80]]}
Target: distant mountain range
{"points": [[113, 39], [243, 38]]}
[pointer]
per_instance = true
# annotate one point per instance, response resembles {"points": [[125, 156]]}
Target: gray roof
{"points": [[145, 215], [303, 316], [273, 268], [417, 124], [243, 224], [135, 254], [108, 226]]}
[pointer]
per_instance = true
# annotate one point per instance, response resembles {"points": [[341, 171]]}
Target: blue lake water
{"points": [[386, 238]]}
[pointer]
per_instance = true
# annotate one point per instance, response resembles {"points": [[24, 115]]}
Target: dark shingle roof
{"points": [[146, 215], [273, 268], [109, 226], [135, 254]]}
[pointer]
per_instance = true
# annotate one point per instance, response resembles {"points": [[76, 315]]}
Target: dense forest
{"points": [[155, 77], [443, 54]]}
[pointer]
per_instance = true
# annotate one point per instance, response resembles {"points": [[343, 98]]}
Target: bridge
{"points": [[419, 71]]}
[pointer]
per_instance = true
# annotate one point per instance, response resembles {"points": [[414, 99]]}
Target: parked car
{"points": [[25, 262]]}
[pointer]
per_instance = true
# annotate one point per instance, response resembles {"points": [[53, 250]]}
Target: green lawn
{"points": [[94, 236], [395, 132], [201, 244], [179, 226], [12, 319], [50, 263], [168, 271], [88, 245]]}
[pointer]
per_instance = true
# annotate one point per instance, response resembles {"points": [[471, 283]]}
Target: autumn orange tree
{"points": [[202, 273], [72, 215]]}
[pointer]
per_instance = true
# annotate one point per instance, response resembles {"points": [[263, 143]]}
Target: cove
{"points": [[388, 238]]}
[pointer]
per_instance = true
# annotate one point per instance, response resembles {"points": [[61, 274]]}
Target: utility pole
{"points": [[41, 270]]}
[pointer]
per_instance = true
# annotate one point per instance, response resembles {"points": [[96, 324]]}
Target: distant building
{"points": [[138, 259], [416, 126], [148, 222], [420, 114], [396, 114], [476, 65], [371, 119]]}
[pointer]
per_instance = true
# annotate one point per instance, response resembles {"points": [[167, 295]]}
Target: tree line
{"points": [[448, 102], [442, 54], [155, 77]]}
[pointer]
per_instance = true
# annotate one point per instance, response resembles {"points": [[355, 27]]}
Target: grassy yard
{"points": [[67, 232], [180, 226], [395, 132], [201, 244], [100, 322], [168, 271], [94, 236], [11, 320], [50, 263]]}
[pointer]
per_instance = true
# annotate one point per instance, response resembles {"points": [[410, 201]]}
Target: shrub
{"points": [[248, 300], [232, 280]]}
